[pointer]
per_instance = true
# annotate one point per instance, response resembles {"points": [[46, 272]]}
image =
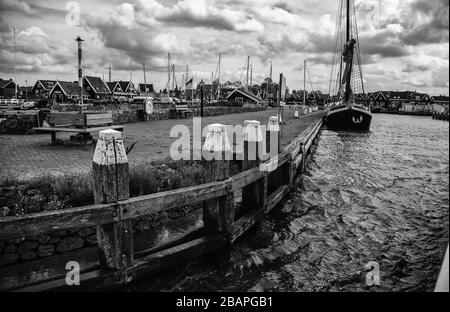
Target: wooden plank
{"points": [[276, 197], [40, 270], [153, 203], [98, 116], [37, 223], [101, 279], [83, 130], [244, 223], [297, 160], [238, 181]]}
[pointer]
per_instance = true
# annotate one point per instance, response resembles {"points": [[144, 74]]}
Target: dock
{"points": [[113, 262]]}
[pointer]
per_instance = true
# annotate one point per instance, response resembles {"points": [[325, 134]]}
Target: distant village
{"points": [[45, 92]]}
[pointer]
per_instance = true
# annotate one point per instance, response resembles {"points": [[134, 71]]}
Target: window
{"points": [[239, 100]]}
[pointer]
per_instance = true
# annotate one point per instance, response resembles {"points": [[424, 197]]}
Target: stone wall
{"points": [[58, 242]]}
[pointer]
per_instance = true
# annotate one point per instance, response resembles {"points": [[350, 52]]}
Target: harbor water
{"points": [[380, 196]]}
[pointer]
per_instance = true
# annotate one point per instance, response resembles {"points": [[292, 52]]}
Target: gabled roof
{"points": [[142, 87], [247, 94], [441, 98], [69, 88], [5, 83], [45, 83], [124, 85], [97, 84], [111, 85]]}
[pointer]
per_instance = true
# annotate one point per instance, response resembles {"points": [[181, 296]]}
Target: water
{"points": [[381, 196]]}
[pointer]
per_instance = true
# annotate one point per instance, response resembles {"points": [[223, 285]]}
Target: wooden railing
{"points": [[262, 190]]}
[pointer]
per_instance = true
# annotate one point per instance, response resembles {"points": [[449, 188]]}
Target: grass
{"points": [[74, 190]]}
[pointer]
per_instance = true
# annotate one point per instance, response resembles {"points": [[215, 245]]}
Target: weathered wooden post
{"points": [[218, 213], [252, 194], [273, 136], [111, 184]]}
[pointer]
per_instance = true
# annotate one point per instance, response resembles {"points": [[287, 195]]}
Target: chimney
{"points": [[80, 61]]}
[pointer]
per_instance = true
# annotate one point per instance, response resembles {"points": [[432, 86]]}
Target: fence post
{"points": [[218, 213], [252, 194], [111, 184]]}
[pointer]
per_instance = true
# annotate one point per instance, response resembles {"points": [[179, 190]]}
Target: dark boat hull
{"points": [[349, 119]]}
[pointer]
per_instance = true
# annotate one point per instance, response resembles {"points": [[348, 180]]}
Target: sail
{"points": [[346, 80]]}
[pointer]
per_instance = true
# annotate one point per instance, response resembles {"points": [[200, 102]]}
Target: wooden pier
{"points": [[117, 262]]}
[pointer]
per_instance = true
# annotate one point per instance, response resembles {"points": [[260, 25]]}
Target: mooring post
{"points": [[218, 213], [273, 136], [252, 194], [111, 184]]}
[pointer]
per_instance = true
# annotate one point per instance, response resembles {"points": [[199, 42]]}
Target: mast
{"points": [[248, 67], [173, 76], [348, 21], [304, 83], [218, 79], [251, 76], [15, 70], [168, 74], [131, 75], [145, 80], [109, 73]]}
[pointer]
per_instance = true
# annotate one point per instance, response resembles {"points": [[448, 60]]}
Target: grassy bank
{"points": [[45, 193]]}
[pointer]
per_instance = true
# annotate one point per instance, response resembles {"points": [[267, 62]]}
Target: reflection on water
{"points": [[380, 196]]}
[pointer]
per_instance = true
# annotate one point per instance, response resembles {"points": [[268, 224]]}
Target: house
{"points": [[209, 91], [241, 96], [24, 92], [122, 88], [41, 88], [440, 104], [145, 89], [360, 98], [7, 88], [379, 101], [398, 99], [128, 88], [66, 91], [96, 88]]}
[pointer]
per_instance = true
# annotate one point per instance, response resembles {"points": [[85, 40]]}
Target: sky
{"points": [[404, 43]]}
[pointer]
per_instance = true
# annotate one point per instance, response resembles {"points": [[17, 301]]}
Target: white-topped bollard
{"points": [[253, 140], [111, 184], [218, 213], [273, 137]]}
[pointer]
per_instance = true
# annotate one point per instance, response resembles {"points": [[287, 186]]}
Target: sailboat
{"points": [[346, 76]]}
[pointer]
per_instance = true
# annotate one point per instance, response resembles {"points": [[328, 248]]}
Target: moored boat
{"points": [[345, 113]]}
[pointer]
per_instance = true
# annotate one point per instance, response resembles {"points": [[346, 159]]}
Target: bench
{"points": [[81, 132], [181, 110], [80, 123]]}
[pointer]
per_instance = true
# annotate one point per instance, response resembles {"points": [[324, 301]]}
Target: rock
{"points": [[34, 208], [91, 239], [43, 238], [8, 258], [38, 199], [29, 255], [4, 211], [84, 232], [60, 233], [33, 192], [27, 246], [54, 240], [45, 250], [10, 249], [70, 243]]}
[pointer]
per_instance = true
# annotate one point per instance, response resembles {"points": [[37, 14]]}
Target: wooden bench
{"points": [[182, 110], [86, 132], [80, 123]]}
